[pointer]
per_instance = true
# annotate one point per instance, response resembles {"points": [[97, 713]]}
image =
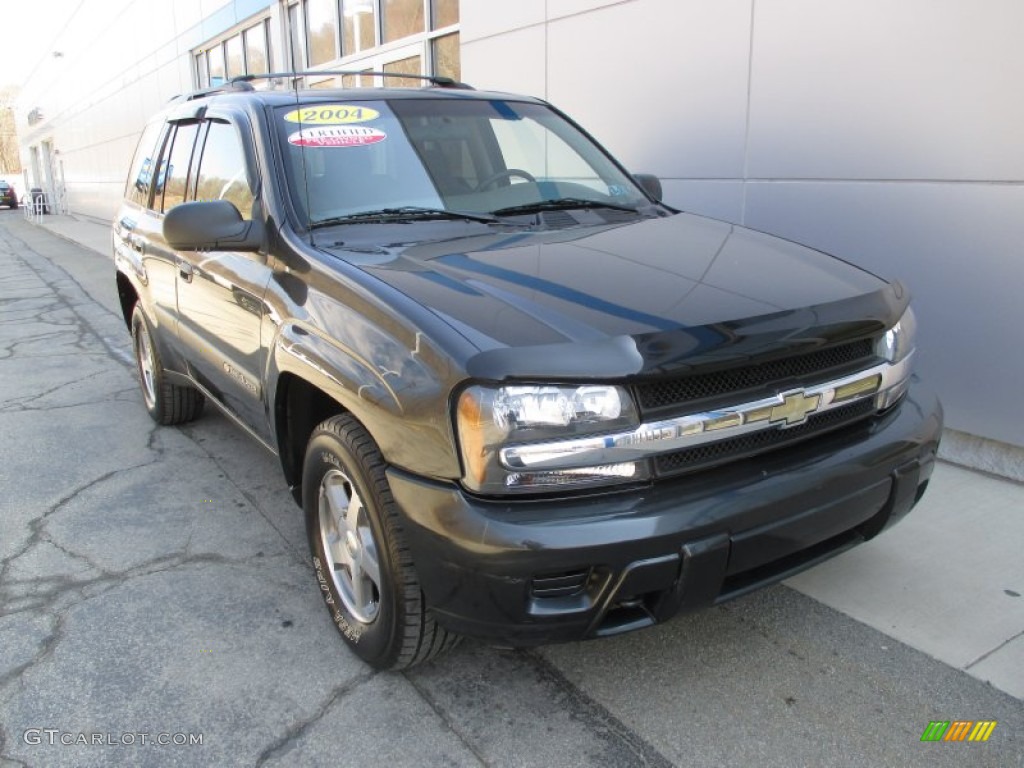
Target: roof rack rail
{"points": [[234, 84], [438, 80]]}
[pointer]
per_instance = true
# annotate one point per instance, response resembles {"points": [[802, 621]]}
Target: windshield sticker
{"points": [[337, 136], [332, 114]]}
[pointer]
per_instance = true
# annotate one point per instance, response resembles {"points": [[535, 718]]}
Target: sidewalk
{"points": [[85, 231], [948, 580]]}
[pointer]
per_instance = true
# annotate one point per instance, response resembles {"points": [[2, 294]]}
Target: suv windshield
{"points": [[464, 157]]}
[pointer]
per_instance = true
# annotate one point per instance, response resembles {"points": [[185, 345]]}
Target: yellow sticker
{"points": [[331, 114]]}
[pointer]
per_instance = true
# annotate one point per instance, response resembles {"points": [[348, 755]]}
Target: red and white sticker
{"points": [[337, 136]]}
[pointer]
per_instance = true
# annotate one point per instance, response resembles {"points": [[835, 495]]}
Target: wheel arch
{"points": [[299, 406], [314, 378], [127, 296]]}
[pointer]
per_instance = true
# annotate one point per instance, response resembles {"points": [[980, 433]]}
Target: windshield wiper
{"points": [[403, 213], [561, 204]]}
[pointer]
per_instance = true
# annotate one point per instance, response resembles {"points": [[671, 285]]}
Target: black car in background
{"points": [[516, 395]]}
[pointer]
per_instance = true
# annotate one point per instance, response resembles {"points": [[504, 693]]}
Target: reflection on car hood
{"points": [[639, 296]]}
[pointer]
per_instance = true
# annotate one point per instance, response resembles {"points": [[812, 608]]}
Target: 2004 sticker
{"points": [[337, 136], [332, 114]]}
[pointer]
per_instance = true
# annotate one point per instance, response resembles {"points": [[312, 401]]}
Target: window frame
{"points": [[419, 44], [169, 145], [201, 79]]}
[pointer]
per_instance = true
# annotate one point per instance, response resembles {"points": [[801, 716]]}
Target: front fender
{"points": [[399, 398]]}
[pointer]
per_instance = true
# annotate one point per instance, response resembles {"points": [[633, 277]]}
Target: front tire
{"points": [[166, 403], [363, 567]]}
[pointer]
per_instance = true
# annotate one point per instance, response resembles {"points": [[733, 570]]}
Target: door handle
{"points": [[186, 271]]}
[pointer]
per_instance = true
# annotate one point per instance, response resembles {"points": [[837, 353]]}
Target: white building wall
{"points": [[120, 61], [889, 134]]}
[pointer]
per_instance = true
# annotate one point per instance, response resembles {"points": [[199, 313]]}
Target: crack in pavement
{"points": [[37, 524], [100, 586], [48, 645], [601, 721], [6, 760], [117, 351], [117, 396], [438, 710], [12, 405], [295, 731], [249, 497]]}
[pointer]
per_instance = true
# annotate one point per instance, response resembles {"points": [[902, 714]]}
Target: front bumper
{"points": [[531, 572]]}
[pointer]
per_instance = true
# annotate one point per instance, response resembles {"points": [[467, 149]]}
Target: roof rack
{"points": [[234, 84], [438, 80]]}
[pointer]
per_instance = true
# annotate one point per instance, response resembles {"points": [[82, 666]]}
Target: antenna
{"points": [[305, 167]]}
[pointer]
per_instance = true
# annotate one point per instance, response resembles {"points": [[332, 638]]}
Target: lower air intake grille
{"points": [[565, 584]]}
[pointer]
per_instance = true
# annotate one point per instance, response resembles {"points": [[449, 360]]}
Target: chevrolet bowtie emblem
{"points": [[794, 408]]}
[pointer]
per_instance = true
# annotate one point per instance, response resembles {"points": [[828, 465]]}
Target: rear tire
{"points": [[363, 566], [166, 403]]}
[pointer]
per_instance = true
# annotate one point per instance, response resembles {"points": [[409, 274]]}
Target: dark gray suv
{"points": [[516, 396]]}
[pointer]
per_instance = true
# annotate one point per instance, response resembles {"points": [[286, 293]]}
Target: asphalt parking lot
{"points": [[155, 587]]}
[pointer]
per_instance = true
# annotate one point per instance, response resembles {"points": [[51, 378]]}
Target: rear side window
{"points": [[223, 172], [140, 177], [180, 159]]}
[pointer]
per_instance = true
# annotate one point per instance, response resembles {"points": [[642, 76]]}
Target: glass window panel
{"points": [[222, 172], [358, 81], [341, 180], [402, 18], [202, 73], [444, 12], [178, 166], [409, 66], [295, 37], [216, 59], [236, 59], [256, 49], [141, 174], [360, 24], [320, 31], [446, 56]]}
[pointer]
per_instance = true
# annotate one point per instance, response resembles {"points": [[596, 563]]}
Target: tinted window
{"points": [[178, 166], [141, 174], [223, 174]]}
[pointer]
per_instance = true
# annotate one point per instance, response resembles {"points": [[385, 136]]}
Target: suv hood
{"points": [[652, 295]]}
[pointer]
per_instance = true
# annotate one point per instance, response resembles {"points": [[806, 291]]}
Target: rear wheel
{"points": [[363, 566], [166, 403]]}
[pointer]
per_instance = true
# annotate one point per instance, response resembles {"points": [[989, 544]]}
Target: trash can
{"points": [[39, 204]]}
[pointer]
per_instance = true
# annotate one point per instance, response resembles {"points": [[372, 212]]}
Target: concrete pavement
{"points": [[156, 580]]}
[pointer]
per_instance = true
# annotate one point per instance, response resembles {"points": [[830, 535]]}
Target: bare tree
{"points": [[10, 160]]}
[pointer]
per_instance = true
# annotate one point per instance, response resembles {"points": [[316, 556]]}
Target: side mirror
{"points": [[214, 225], [650, 184]]}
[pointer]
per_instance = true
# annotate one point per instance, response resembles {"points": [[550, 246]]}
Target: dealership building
{"points": [[889, 134]]}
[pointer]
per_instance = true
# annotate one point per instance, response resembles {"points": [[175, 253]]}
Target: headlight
{"points": [[898, 341], [897, 347], [490, 418]]}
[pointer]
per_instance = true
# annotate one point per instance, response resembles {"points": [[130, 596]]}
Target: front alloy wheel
{"points": [[347, 538], [363, 566]]}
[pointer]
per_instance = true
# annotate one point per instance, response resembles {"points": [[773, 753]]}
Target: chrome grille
{"points": [[663, 394], [703, 456]]}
